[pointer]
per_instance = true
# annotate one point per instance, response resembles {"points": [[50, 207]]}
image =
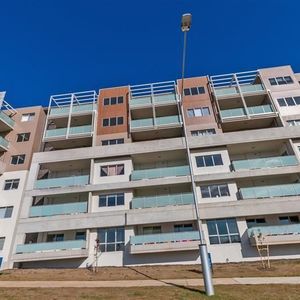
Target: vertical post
{"points": [[205, 264]]}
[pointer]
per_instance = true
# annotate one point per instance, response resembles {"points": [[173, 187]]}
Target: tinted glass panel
{"points": [[106, 101], [105, 122], [281, 102], [113, 100], [208, 161], [113, 121], [187, 92], [218, 159], [201, 90], [200, 161], [290, 101], [272, 81], [194, 91]]}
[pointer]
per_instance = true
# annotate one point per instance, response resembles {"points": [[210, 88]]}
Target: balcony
{"points": [[164, 242], [85, 130], [154, 123], [160, 172], [233, 91], [4, 144], [51, 250], [58, 209], [268, 162], [162, 200], [76, 109], [252, 110], [62, 182], [270, 191], [6, 122], [275, 235], [160, 99]]}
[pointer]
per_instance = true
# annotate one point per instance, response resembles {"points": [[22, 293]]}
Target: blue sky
{"points": [[58, 46]]}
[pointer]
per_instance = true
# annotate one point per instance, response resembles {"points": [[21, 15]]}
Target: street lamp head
{"points": [[186, 22]]}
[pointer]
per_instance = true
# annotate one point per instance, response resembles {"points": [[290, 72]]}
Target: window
{"points": [[209, 160], [18, 159], [255, 222], [80, 235], [113, 100], [111, 239], [27, 117], [113, 121], [198, 112], [11, 184], [183, 227], [203, 132], [223, 231], [2, 240], [285, 220], [111, 200], [293, 122], [280, 80], [23, 137], [151, 229], [55, 237], [289, 101], [214, 191], [112, 170], [112, 142], [6, 212], [194, 91]]}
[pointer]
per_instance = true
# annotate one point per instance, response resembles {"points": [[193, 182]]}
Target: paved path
{"points": [[141, 283]]}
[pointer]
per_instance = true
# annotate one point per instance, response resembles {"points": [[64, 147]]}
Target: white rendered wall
{"points": [[10, 198]]}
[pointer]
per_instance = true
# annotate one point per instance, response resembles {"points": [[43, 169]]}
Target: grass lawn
{"points": [[252, 269], [266, 292]]}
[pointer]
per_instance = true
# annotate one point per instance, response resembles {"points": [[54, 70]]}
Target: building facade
{"points": [[109, 181]]}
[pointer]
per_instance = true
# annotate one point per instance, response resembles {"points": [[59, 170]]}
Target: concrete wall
{"points": [[10, 198]]}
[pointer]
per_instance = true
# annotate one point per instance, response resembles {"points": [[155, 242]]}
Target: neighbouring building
{"points": [[104, 179]]}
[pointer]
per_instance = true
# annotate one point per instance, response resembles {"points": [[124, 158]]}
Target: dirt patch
{"points": [[278, 268]]}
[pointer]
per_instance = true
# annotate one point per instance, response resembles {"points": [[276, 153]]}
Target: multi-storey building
{"points": [[112, 186]]}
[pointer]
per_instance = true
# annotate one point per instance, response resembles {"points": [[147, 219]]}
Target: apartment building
{"points": [[20, 136], [111, 185]]}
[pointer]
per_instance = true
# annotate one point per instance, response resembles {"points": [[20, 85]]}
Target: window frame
{"points": [[25, 137], [207, 191], [203, 132], [116, 196], [2, 242], [211, 157], [20, 159], [196, 112], [111, 142], [281, 80], [30, 117], [223, 238], [116, 243], [114, 100], [102, 171], [194, 90], [13, 183]]}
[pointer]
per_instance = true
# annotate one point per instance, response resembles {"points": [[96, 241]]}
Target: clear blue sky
{"points": [[57, 46]]}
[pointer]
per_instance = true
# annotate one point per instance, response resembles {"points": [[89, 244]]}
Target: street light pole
{"points": [[186, 22]]}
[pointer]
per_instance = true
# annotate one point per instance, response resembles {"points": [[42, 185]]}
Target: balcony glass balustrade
{"points": [[51, 246], [171, 237], [62, 132], [162, 200], [3, 143], [247, 88], [240, 112], [58, 209], [269, 191], [5, 118], [160, 172], [160, 121], [157, 99], [274, 230], [65, 110], [268, 162], [62, 182]]}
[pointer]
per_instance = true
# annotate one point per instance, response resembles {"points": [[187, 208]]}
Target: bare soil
{"points": [[252, 269]]}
